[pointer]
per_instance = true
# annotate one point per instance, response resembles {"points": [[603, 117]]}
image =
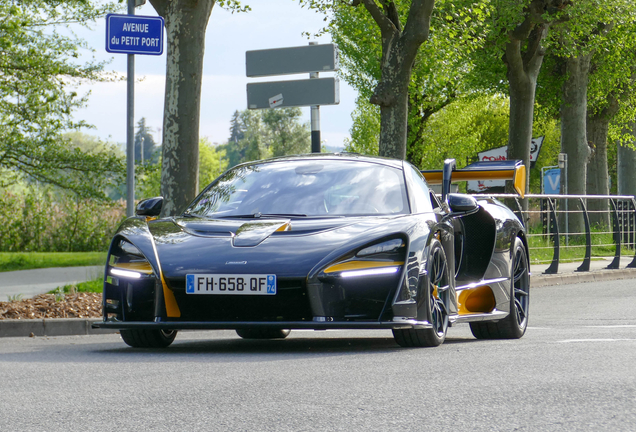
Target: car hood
{"points": [[289, 248]]}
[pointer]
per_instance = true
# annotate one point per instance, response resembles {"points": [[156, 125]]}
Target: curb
{"points": [[83, 326], [543, 280], [50, 327]]}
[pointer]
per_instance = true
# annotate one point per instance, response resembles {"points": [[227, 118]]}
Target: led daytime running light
{"points": [[370, 272], [125, 273]]}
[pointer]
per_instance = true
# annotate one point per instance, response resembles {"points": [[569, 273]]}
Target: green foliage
{"points": [[92, 286], [212, 162], [143, 138], [259, 134], [147, 181], [15, 298], [46, 221], [11, 261], [38, 69], [286, 134], [457, 30], [365, 132]]}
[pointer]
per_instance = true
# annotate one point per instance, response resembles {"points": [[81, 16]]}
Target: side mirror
{"points": [[149, 207], [460, 203]]}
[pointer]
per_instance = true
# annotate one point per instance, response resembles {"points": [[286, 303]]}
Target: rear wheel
{"points": [[148, 338], [515, 324], [437, 298], [263, 333]]}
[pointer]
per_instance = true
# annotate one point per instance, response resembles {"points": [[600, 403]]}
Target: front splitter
{"points": [[234, 325]]}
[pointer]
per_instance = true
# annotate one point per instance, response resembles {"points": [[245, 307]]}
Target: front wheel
{"points": [[515, 324], [148, 338], [436, 301]]}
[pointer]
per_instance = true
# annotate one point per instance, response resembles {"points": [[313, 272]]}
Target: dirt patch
{"points": [[80, 305]]}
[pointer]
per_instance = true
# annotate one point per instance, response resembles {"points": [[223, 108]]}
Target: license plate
{"points": [[233, 284]]}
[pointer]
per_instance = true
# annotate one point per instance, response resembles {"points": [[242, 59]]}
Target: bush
{"points": [[56, 222]]}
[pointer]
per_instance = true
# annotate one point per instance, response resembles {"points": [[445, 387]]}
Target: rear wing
{"points": [[513, 170]]}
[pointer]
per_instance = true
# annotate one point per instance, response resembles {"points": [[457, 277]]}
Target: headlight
{"points": [[371, 272], [127, 261], [387, 246], [384, 258]]}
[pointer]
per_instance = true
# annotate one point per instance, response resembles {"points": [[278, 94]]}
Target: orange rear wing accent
{"points": [[513, 170]]}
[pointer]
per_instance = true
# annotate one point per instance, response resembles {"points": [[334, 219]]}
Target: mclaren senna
{"points": [[323, 241]]}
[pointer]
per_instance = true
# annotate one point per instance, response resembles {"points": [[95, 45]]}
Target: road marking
{"points": [[595, 340], [613, 326]]}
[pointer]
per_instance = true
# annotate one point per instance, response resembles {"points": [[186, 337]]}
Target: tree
{"points": [[38, 68], [186, 22], [146, 150], [261, 134], [592, 47], [438, 72], [286, 134], [401, 36], [212, 162], [517, 36]]}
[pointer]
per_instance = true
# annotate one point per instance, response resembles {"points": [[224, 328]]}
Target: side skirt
{"points": [[491, 316]]}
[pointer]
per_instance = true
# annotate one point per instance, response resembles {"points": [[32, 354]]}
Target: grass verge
{"points": [[10, 261], [92, 286]]}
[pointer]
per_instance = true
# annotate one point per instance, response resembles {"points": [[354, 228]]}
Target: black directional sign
{"points": [[318, 91], [294, 60]]}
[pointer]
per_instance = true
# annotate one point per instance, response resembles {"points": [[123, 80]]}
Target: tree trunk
{"points": [[399, 49], [523, 58], [522, 92], [186, 23], [573, 133], [626, 156], [393, 122], [597, 169]]}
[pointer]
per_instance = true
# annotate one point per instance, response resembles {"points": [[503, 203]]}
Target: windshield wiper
{"points": [[261, 215]]}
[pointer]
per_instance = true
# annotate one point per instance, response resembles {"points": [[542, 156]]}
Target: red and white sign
{"points": [[501, 154]]}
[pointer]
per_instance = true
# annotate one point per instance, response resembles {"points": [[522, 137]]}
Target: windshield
{"points": [[303, 189]]}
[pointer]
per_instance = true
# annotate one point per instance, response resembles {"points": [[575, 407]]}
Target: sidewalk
{"points": [[30, 283], [567, 273]]}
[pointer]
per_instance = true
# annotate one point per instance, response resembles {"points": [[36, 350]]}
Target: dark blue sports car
{"points": [[324, 241]]}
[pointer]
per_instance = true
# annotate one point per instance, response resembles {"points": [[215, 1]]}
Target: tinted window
{"points": [[312, 188], [420, 195]]}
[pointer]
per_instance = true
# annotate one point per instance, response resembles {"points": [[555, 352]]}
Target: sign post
{"points": [[313, 92], [129, 34]]}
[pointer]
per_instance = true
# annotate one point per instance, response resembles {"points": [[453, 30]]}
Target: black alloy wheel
{"points": [[515, 324], [141, 338], [436, 301]]}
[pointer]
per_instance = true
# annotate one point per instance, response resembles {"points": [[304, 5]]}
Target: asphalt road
{"points": [[575, 370]]}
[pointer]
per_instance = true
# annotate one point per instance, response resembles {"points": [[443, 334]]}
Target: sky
{"points": [[270, 24]]}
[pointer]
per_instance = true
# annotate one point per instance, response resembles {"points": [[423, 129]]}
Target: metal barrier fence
{"points": [[565, 220]]}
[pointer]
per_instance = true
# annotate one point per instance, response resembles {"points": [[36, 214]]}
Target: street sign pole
{"points": [[130, 128], [130, 35], [315, 119]]}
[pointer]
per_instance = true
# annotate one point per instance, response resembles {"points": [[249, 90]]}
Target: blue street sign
{"points": [[552, 181], [134, 34]]}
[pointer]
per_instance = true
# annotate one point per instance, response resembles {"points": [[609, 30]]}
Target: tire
{"points": [[515, 324], [263, 333], [436, 301], [148, 338]]}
